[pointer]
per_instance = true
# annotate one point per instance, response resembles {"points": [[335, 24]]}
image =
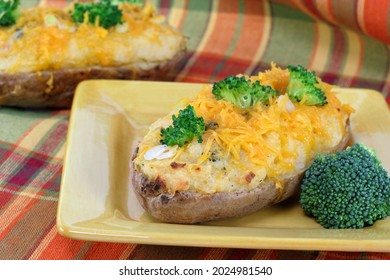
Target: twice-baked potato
{"points": [[246, 159], [45, 54]]}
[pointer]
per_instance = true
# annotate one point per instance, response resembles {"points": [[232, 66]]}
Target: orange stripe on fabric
{"points": [[324, 7], [105, 251], [227, 17], [266, 24], [61, 248], [246, 50], [185, 75], [376, 19]]}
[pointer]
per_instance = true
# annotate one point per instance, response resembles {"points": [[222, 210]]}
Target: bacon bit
{"points": [[176, 165], [249, 177], [197, 169], [154, 188]]}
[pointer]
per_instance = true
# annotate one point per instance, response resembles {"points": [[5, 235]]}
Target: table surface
{"points": [[345, 42]]}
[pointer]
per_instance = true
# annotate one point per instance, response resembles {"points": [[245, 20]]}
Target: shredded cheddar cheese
{"points": [[264, 133], [46, 38]]}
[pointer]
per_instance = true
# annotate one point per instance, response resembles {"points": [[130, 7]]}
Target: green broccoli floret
{"points": [[9, 12], [186, 125], [104, 12], [303, 85], [348, 189], [241, 92]]}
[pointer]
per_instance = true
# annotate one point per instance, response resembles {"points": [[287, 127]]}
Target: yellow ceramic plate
{"points": [[97, 202]]}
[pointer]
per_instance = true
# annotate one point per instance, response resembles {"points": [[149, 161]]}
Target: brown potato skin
{"points": [[55, 88], [187, 207]]}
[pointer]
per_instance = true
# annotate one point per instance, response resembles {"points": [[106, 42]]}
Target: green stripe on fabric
{"points": [[196, 21], [292, 37], [29, 4], [376, 60], [27, 230], [15, 122]]}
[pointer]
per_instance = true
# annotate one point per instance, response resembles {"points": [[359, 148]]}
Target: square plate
{"points": [[97, 202]]}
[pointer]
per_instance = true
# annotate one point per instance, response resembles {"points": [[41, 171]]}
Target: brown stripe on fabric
{"points": [[40, 242], [18, 206], [83, 250], [156, 252], [346, 13], [262, 255], [127, 252], [27, 230], [240, 254], [296, 255], [213, 254], [330, 255], [377, 256]]}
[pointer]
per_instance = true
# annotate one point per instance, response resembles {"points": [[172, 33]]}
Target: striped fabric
{"points": [[345, 42]]}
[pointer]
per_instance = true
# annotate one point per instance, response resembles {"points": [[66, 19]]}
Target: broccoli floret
{"points": [[241, 92], [303, 85], [9, 12], [348, 189], [103, 12], [262, 93], [186, 125]]}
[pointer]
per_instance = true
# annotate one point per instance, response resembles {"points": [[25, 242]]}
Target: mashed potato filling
{"points": [[243, 147]]}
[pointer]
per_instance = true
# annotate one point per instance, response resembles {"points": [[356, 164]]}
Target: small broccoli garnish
{"points": [[348, 189], [303, 85], [9, 12], [103, 12], [185, 127], [241, 92]]}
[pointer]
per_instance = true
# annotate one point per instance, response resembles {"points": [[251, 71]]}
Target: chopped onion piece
{"points": [[288, 105], [160, 152], [122, 28], [51, 20]]}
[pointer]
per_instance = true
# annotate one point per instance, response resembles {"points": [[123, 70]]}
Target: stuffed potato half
{"points": [[46, 54], [248, 158]]}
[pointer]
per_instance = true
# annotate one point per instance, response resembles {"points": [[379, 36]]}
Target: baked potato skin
{"points": [[55, 88], [188, 207]]}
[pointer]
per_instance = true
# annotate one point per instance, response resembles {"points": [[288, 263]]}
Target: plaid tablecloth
{"points": [[345, 42]]}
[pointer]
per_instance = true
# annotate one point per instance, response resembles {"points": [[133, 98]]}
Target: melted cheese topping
{"points": [[47, 38], [248, 146]]}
